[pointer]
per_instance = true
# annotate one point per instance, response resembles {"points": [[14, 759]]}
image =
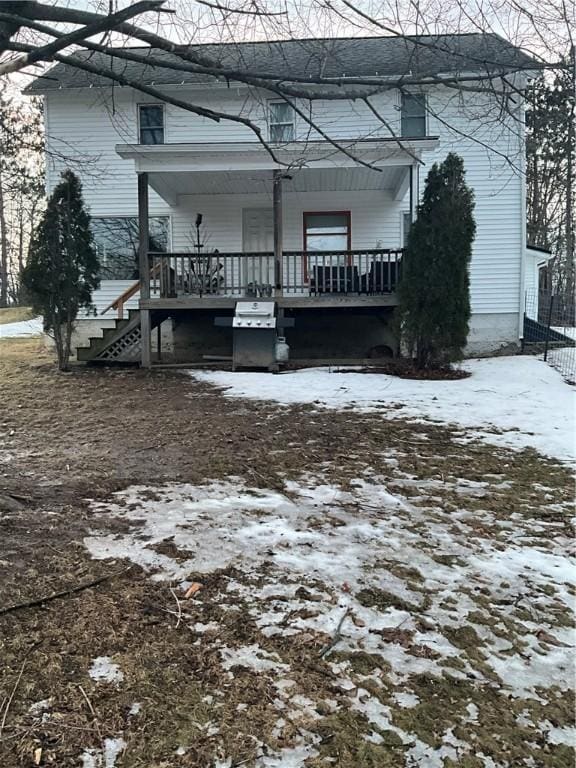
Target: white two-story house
{"points": [[314, 217]]}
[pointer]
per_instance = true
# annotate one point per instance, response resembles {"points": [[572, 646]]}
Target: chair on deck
{"points": [[382, 277], [341, 279]]}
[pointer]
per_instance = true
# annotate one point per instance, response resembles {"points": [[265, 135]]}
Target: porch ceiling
{"points": [[171, 185]]}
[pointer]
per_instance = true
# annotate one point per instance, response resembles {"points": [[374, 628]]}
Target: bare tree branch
{"points": [[243, 11], [45, 52]]}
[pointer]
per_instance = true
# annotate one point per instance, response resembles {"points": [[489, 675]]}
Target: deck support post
{"points": [[277, 216], [144, 266]]}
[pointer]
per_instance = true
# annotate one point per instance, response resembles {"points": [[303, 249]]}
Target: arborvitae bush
{"points": [[62, 268], [435, 288]]}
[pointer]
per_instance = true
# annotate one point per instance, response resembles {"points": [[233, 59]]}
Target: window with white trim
{"points": [[280, 122], [413, 115], [151, 123], [329, 231]]}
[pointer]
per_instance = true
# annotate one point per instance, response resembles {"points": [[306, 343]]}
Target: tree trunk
{"points": [[3, 249], [61, 346], [569, 232], [20, 252]]}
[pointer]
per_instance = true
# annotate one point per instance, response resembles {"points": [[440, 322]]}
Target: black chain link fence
{"points": [[550, 331]]}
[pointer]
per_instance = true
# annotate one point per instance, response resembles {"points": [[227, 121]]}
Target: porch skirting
{"points": [[328, 334]]}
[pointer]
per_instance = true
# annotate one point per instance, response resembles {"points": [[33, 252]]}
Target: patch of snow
{"points": [[524, 719], [105, 757], [251, 657], [560, 735], [38, 707], [377, 713], [103, 669], [406, 700], [290, 757], [473, 712], [91, 758], [284, 683], [563, 359], [112, 749], [565, 330], [323, 545], [251, 524], [23, 329], [521, 396], [211, 626]]}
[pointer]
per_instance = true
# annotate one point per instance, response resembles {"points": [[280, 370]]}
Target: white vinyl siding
{"points": [[374, 216], [88, 124], [492, 153]]}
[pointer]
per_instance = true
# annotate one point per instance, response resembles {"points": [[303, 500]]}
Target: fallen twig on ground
{"points": [[64, 593], [87, 700], [337, 636], [92, 711], [179, 608], [9, 701]]}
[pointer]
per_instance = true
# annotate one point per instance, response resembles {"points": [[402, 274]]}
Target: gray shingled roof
{"points": [[335, 57]]}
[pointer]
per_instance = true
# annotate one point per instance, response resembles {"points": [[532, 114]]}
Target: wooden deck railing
{"points": [[258, 275], [132, 290]]}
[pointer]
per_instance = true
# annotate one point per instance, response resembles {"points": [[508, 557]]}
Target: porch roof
{"points": [[184, 169], [250, 156]]}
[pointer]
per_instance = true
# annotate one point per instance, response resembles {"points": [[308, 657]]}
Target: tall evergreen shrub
{"points": [[435, 288], [62, 268]]}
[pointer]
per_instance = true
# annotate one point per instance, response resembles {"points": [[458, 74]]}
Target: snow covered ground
{"points": [[514, 401], [566, 330], [442, 631], [22, 329]]}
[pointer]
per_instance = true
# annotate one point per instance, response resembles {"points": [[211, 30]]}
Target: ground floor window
{"points": [[326, 234], [328, 231], [116, 241]]}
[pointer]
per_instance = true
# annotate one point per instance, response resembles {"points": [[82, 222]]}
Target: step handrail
{"points": [[119, 301]]}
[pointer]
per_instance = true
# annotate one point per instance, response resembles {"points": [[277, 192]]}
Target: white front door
{"points": [[258, 238]]}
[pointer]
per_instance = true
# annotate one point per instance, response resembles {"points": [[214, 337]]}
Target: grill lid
{"points": [[254, 314]]}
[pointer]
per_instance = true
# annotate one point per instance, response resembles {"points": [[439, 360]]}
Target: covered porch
{"points": [[309, 227], [241, 226]]}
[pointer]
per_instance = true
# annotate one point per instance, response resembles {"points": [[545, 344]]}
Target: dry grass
{"points": [[68, 438], [15, 314]]}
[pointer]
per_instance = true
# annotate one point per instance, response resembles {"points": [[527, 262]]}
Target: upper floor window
{"points": [[280, 122], [413, 114], [151, 123]]}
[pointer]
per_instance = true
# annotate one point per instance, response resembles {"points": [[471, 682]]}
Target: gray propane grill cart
{"points": [[254, 334]]}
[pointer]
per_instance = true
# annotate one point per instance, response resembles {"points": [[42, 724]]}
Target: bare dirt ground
{"points": [[411, 647]]}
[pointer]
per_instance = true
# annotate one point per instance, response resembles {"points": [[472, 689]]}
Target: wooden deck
{"points": [[319, 280], [322, 301]]}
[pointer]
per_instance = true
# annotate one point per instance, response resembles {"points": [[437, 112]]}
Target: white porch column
{"points": [[278, 240], [143, 247]]}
